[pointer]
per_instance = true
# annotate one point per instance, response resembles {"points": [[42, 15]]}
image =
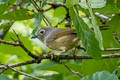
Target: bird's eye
{"points": [[42, 31]]}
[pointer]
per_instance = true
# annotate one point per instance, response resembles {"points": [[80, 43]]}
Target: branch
{"points": [[112, 49], [77, 73], [18, 42], [17, 4], [60, 22], [54, 4], [35, 5], [48, 9], [60, 57], [9, 42], [28, 75], [37, 59], [104, 19], [45, 18], [19, 64], [21, 73]]}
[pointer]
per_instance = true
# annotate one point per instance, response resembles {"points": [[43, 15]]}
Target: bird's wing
{"points": [[63, 32], [58, 33]]}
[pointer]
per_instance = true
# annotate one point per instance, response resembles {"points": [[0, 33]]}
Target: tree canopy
{"points": [[97, 23]]}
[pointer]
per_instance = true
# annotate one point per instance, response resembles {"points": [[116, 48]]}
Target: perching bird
{"points": [[57, 38]]}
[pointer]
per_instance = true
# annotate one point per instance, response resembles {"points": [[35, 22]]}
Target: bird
{"points": [[57, 38]]}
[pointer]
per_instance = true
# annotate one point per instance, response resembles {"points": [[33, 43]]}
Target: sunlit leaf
{"points": [[59, 13], [114, 23], [70, 3], [94, 3], [21, 14]]}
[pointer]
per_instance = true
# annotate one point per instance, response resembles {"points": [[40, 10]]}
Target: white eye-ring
{"points": [[42, 31]]}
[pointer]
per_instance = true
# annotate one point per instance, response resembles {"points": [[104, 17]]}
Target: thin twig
{"points": [[47, 20], [21, 73], [116, 36], [23, 47], [36, 4], [9, 42], [112, 49], [27, 75], [18, 43], [48, 9], [16, 35], [77, 73], [19, 3], [60, 22], [104, 19], [36, 7], [19, 64], [3, 71], [54, 4]]}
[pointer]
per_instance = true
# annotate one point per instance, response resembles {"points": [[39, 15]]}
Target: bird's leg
{"points": [[75, 52], [51, 54], [79, 47]]}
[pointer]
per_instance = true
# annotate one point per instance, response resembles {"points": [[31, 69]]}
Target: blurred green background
{"points": [[22, 20]]}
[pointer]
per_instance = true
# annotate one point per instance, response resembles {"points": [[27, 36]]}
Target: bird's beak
{"points": [[34, 36]]}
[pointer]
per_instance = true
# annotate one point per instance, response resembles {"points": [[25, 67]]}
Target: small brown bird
{"points": [[57, 38]]}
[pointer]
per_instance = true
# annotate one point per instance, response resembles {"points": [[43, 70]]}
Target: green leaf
{"points": [[3, 1], [4, 28], [59, 14], [104, 75], [92, 66], [118, 4], [52, 66], [85, 34], [98, 34], [111, 2], [50, 75], [4, 77], [94, 3], [3, 8], [109, 9], [114, 23], [72, 77], [37, 23], [58, 0], [21, 14], [70, 3]]}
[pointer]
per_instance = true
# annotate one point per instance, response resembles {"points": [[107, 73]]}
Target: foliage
{"points": [[25, 17]]}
